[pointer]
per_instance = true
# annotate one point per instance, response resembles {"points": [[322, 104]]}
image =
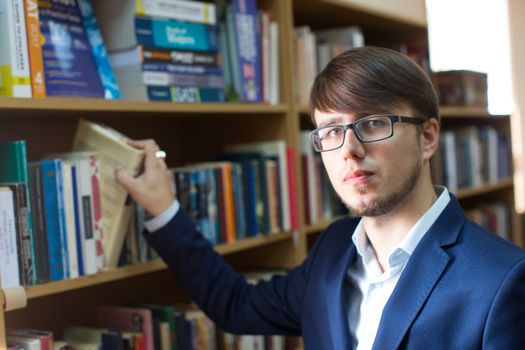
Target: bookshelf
{"points": [[501, 190], [48, 125]]}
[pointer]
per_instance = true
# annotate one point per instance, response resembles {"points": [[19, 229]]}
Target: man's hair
{"points": [[373, 80]]}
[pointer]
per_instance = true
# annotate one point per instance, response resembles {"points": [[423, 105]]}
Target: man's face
{"points": [[372, 179]]}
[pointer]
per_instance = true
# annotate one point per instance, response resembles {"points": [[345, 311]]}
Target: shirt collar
{"points": [[407, 246]]}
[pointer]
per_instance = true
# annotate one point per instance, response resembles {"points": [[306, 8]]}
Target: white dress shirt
{"points": [[372, 287]]}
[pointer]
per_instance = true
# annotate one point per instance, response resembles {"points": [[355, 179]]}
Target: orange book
{"points": [[228, 194], [36, 63]]}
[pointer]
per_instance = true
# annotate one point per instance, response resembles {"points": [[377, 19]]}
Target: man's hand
{"points": [[152, 189]]}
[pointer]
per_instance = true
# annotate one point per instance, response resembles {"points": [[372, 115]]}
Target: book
{"points": [[38, 84], [122, 29], [55, 218], [185, 10], [69, 66], [44, 337], [127, 319], [15, 76], [41, 251], [112, 149], [14, 169], [25, 256], [9, 268], [109, 83]]}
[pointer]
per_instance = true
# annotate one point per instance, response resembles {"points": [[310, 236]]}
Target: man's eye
{"points": [[333, 132], [373, 124]]}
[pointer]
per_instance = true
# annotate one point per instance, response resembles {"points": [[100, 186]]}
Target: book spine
{"points": [[181, 68], [107, 78], [69, 208], [173, 34], [38, 84], [14, 61], [198, 80], [191, 94], [41, 251], [62, 217], [76, 212], [183, 10], [94, 164], [151, 55], [24, 238], [54, 237], [9, 268], [248, 49]]}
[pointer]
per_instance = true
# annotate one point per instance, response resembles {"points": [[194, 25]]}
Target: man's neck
{"points": [[387, 231]]}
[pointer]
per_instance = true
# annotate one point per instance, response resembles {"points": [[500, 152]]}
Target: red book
{"points": [[292, 187]]}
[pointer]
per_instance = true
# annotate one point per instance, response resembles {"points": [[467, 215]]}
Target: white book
{"points": [[112, 149], [185, 10], [24, 342], [15, 76], [265, 35], [9, 268], [448, 146]]}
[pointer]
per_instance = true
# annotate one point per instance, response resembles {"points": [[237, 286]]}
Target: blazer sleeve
{"points": [[505, 328], [272, 307]]}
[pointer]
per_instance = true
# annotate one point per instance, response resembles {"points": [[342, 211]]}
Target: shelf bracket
{"points": [[14, 298]]}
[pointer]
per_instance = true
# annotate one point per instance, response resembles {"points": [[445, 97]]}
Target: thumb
{"points": [[122, 177]]}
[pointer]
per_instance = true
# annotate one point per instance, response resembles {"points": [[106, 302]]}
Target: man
{"points": [[412, 273]]}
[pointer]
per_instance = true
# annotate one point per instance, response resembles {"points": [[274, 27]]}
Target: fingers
{"points": [[124, 178]]}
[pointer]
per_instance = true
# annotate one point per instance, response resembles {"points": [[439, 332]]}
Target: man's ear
{"points": [[430, 131]]}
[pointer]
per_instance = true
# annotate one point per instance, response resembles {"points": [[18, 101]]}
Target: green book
{"points": [[13, 169], [13, 161]]}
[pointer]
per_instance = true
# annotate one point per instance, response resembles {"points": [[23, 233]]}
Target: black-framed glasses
{"points": [[368, 129]]}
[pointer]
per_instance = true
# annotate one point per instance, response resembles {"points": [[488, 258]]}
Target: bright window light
{"points": [[473, 35]]}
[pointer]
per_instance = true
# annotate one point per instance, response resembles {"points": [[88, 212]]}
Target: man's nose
{"points": [[352, 147]]}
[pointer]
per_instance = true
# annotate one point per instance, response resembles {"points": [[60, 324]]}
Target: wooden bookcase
{"points": [[190, 132]]}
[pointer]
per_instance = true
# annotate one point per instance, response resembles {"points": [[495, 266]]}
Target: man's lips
{"points": [[357, 176]]}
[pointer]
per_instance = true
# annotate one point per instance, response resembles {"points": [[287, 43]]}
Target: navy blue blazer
{"points": [[463, 288]]}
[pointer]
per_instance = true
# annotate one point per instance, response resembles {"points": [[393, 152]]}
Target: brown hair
{"points": [[373, 80]]}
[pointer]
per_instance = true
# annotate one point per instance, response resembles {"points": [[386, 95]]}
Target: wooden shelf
{"points": [[138, 107], [319, 226], [465, 193], [469, 112], [144, 268]]}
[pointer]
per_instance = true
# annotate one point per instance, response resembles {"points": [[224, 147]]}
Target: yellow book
{"points": [[113, 149]]}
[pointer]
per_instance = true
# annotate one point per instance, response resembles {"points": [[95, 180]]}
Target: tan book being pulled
{"points": [[113, 149]]}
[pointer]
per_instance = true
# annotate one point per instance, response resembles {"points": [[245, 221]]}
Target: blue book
{"points": [[107, 78], [194, 94], [69, 66], [244, 16], [50, 186], [173, 34]]}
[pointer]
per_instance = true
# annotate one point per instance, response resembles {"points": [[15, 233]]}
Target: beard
{"points": [[387, 202]]}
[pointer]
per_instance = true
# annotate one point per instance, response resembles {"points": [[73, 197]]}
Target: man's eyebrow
{"points": [[332, 120]]}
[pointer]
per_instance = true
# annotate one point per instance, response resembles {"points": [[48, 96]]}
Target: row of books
{"points": [[494, 216], [471, 157], [149, 326], [165, 50], [188, 51], [71, 215], [74, 219], [53, 48], [313, 51], [319, 197]]}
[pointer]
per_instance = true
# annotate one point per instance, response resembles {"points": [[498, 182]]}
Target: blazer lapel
{"points": [[421, 274]]}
